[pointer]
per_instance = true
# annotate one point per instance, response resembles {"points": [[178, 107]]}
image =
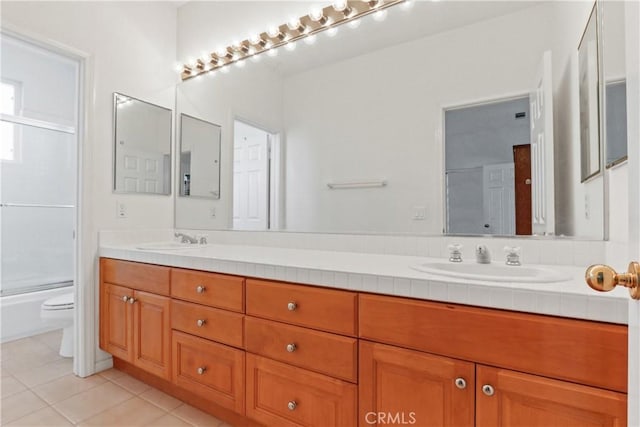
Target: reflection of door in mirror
{"points": [[199, 158], [142, 146], [479, 143], [252, 175]]}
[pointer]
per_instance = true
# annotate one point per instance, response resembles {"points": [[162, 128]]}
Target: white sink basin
{"points": [[167, 246], [494, 272]]}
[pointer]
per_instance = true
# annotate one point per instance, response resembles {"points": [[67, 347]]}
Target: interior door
{"points": [[250, 178], [522, 187], [542, 184], [498, 198]]}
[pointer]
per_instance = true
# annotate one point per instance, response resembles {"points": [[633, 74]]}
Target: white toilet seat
{"points": [[62, 302]]}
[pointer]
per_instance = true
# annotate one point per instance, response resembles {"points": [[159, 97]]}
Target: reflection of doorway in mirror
{"points": [[255, 183], [481, 191]]}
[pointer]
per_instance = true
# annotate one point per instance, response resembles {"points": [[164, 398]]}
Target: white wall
{"points": [[130, 48]]}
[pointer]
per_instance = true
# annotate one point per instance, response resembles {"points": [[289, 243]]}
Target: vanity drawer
{"points": [[585, 352], [213, 371], [322, 352], [216, 290], [281, 395], [211, 323], [135, 275], [324, 309]]}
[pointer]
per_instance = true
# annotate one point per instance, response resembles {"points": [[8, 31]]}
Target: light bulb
{"points": [[294, 24], [194, 71], [331, 32], [256, 39], [222, 53], [340, 5], [179, 68], [354, 24], [380, 15], [273, 32], [290, 46], [204, 56], [191, 61], [310, 39], [407, 5], [316, 14]]}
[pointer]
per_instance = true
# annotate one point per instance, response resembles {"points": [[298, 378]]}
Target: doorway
{"points": [[256, 181], [480, 169], [40, 122]]}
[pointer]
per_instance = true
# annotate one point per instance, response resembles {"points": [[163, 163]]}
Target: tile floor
{"points": [[39, 389]]}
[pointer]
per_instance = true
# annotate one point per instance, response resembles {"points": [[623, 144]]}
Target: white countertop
{"points": [[390, 275]]}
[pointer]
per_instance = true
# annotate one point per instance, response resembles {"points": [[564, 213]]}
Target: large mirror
{"points": [[352, 133], [142, 146], [589, 92], [199, 158]]}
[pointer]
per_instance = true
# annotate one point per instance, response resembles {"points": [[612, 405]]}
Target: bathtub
{"points": [[20, 314]]}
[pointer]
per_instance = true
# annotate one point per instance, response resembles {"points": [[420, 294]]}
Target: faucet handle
{"points": [[513, 255], [455, 252]]}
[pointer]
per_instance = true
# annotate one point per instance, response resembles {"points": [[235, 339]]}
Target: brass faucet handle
{"points": [[603, 278]]}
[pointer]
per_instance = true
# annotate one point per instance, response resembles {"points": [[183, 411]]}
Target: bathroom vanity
{"points": [[257, 351]]}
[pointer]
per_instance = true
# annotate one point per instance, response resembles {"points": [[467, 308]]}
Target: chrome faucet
{"points": [[185, 238], [482, 255], [455, 252]]}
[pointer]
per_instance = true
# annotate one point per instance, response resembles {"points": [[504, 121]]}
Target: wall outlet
{"points": [[212, 212], [121, 210], [419, 213]]}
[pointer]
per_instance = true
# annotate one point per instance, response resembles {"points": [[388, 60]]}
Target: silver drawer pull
{"points": [[125, 298], [461, 383], [200, 289], [292, 405], [292, 306], [132, 300], [201, 370], [488, 390], [201, 322], [291, 347]]}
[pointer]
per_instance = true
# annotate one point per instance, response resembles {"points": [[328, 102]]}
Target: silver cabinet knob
{"points": [[291, 347], [132, 300], [125, 298], [292, 405], [488, 390], [200, 289], [461, 383], [201, 322], [201, 370], [292, 306]]}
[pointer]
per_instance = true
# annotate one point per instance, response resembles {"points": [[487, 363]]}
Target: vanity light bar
{"points": [[315, 22]]}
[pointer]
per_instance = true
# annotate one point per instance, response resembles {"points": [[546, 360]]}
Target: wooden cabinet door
{"points": [[116, 330], [152, 333], [400, 387], [529, 400]]}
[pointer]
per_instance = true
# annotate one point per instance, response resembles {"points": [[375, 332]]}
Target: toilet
{"points": [[58, 311]]}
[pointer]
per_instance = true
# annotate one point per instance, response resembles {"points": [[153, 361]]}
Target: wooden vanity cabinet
{"points": [[135, 325], [518, 369]]}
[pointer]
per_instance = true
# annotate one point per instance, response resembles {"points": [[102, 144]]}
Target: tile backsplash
{"points": [[579, 253]]}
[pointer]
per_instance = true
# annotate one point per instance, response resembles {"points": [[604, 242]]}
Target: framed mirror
{"points": [[355, 151], [199, 168], [589, 95], [142, 146]]}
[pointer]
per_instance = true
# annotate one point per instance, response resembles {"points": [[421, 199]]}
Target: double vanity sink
{"points": [[494, 272]]}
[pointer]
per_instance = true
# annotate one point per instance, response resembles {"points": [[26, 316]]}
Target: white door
{"points": [[541, 112], [250, 177], [498, 199], [632, 25]]}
